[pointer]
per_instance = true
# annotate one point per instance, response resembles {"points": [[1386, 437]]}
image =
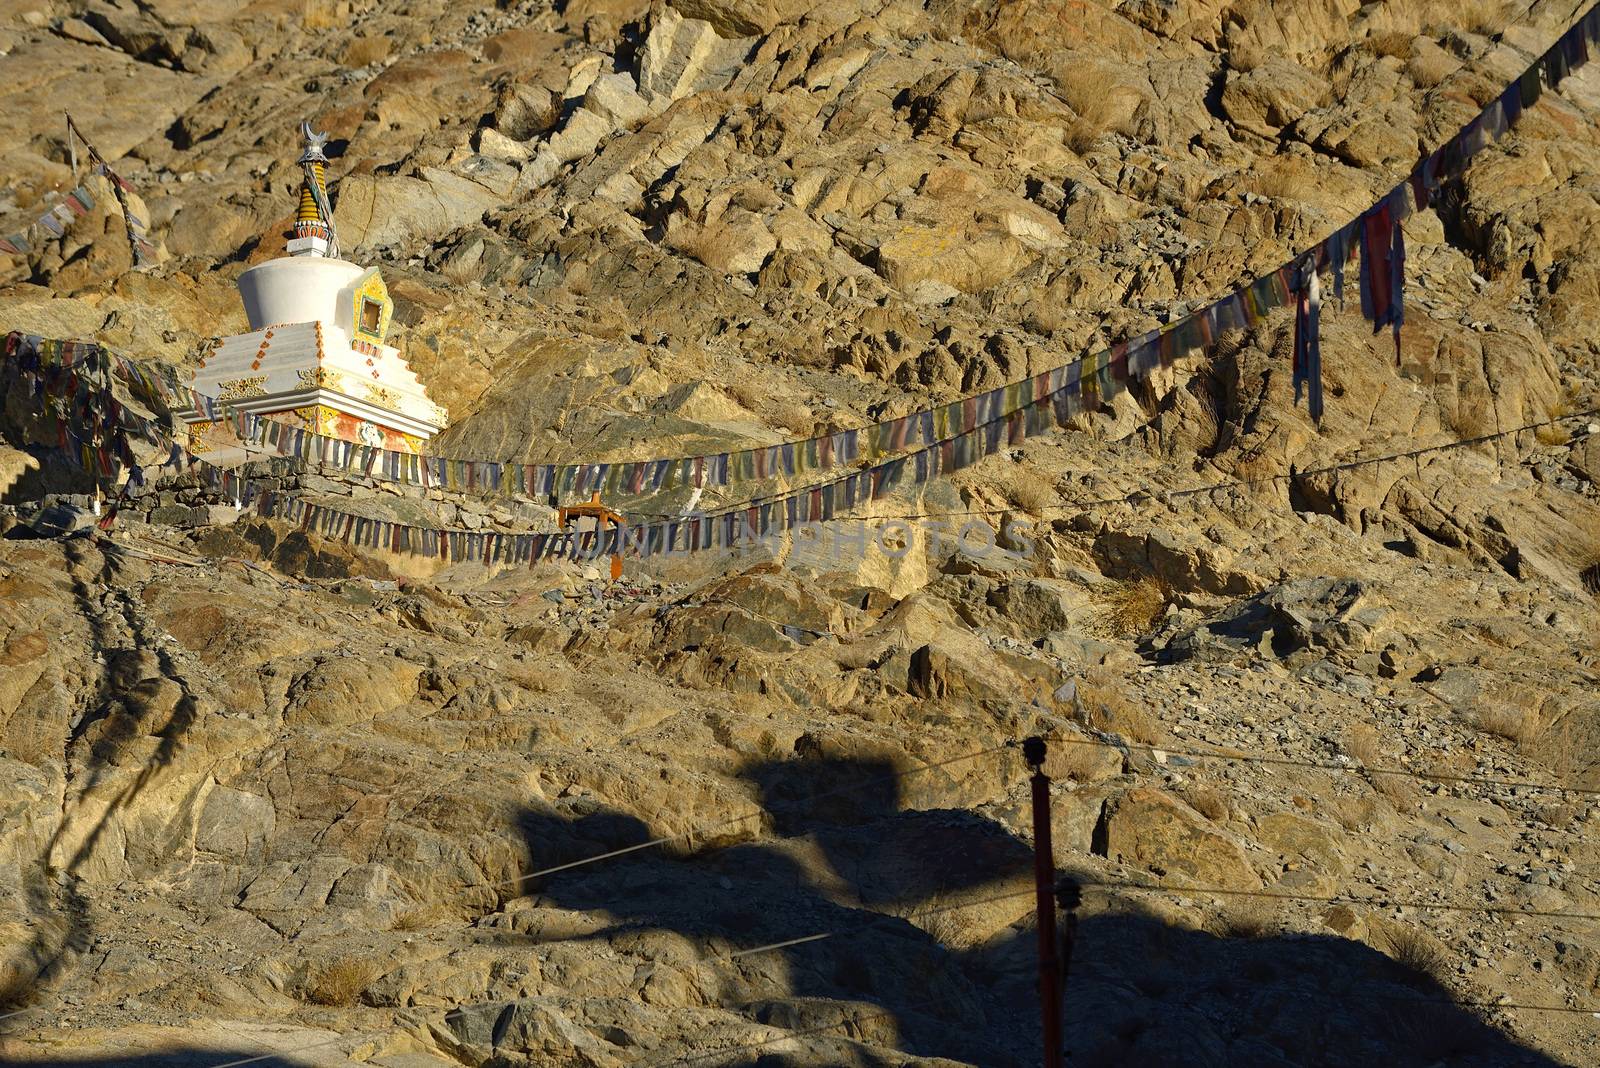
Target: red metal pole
{"points": [[1044, 874]]}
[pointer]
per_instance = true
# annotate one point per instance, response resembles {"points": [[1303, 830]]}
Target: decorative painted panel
{"points": [[236, 388], [370, 308]]}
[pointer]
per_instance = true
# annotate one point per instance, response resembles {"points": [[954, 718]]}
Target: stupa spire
{"points": [[314, 233], [317, 355]]}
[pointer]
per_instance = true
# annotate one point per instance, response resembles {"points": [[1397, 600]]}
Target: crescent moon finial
{"points": [[315, 143]]}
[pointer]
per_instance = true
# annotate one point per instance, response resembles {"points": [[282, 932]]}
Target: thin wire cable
{"points": [[723, 1051], [1492, 1006], [285, 1054], [1125, 747], [1465, 1004], [1143, 495], [1336, 899], [698, 831], [1192, 891], [1104, 885], [1178, 891], [870, 921], [1427, 102], [1349, 769]]}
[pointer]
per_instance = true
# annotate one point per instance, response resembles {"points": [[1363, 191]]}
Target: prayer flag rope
{"points": [[55, 221], [79, 202], [733, 527], [1374, 237], [143, 251], [77, 396], [951, 436]]}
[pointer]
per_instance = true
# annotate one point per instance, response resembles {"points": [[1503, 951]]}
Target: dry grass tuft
{"points": [[1083, 88], [1079, 763], [1518, 727], [1558, 814], [320, 15], [1590, 577], [796, 417], [1552, 434], [1105, 707], [1432, 1032], [1247, 919], [1212, 804], [1246, 58], [1133, 607], [342, 981], [1032, 495], [1099, 110], [365, 51], [1396, 43], [1397, 788], [1429, 69], [1418, 952], [787, 413], [1356, 813], [16, 987], [421, 917], [1361, 742], [1083, 136], [1486, 17], [1282, 178]]}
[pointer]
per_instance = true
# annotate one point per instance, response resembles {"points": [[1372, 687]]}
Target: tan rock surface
{"points": [[247, 810]]}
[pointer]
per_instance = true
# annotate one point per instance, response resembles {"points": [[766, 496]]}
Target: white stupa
{"points": [[315, 355]]}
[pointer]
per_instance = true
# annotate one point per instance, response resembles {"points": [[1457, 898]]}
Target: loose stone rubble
{"points": [[264, 792]]}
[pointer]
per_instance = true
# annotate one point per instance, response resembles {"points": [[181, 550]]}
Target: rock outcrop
{"points": [[261, 791]]}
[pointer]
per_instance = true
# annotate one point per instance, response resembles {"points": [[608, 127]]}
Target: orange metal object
{"points": [[604, 518]]}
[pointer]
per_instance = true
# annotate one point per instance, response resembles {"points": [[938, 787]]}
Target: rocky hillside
{"points": [[263, 793]]}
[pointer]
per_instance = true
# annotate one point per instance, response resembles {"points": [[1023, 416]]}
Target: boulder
{"points": [[1036, 606], [19, 473], [1076, 810], [1184, 560], [744, 18], [616, 98], [1153, 830], [534, 1031], [374, 211], [683, 56], [60, 520], [1271, 96], [496, 145], [524, 111], [347, 690], [210, 229], [524, 47], [583, 132], [1327, 615], [962, 258], [234, 824], [1303, 839]]}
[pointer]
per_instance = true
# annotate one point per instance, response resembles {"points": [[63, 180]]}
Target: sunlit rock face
{"points": [[267, 791]]}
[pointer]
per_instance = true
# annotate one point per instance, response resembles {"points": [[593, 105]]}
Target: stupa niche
{"points": [[316, 354]]}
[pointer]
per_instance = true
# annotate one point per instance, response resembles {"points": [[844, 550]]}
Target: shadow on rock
{"points": [[853, 867], [140, 696], [178, 1058], [887, 853], [1142, 991]]}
